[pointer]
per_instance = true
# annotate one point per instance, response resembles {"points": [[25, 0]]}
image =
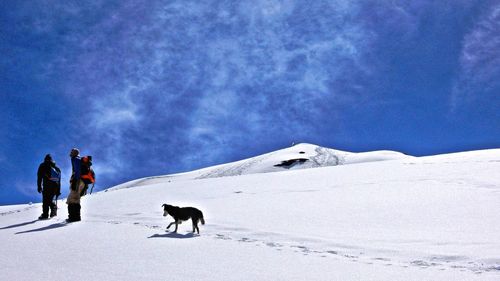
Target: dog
{"points": [[183, 214]]}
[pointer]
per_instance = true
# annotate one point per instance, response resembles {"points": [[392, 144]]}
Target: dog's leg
{"points": [[194, 224], [170, 225], [176, 225]]}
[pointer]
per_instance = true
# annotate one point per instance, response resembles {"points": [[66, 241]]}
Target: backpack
{"points": [[55, 175], [86, 172]]}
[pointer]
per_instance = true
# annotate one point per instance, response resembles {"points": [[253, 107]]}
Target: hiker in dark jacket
{"points": [[76, 187], [49, 184]]}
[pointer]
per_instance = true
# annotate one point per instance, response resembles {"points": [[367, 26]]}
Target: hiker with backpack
{"points": [[82, 176], [49, 184]]}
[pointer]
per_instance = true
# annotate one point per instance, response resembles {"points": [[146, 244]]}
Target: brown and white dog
{"points": [[183, 214]]}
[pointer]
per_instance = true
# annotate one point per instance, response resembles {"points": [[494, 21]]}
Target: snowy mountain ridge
{"points": [[300, 156]]}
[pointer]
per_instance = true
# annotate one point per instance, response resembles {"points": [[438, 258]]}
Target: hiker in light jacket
{"points": [[76, 187], [49, 184]]}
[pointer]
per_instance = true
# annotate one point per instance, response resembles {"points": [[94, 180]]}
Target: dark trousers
{"points": [[48, 194], [74, 212]]}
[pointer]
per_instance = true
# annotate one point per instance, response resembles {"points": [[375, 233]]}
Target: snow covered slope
{"points": [[426, 218]]}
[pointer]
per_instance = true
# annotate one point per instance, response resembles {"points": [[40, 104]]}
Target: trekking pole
{"points": [[58, 192], [92, 188]]}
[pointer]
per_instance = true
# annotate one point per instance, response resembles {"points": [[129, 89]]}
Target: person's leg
{"points": [[77, 212], [53, 206], [74, 202], [45, 203], [73, 199]]}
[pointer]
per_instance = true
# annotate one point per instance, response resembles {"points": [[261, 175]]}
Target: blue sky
{"points": [[157, 87]]}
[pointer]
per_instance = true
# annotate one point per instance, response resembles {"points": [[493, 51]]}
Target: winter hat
{"points": [[48, 157], [74, 152]]}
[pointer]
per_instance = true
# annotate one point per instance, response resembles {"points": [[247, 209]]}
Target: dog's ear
{"points": [[163, 206]]}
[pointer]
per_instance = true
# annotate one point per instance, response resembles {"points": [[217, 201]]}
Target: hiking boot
{"points": [[73, 212], [43, 217], [53, 212]]}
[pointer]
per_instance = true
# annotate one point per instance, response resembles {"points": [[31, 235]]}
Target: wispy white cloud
{"points": [[479, 61], [275, 71], [26, 188], [208, 74], [113, 111]]}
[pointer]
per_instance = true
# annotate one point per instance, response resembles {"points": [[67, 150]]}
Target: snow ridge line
{"points": [[235, 169]]}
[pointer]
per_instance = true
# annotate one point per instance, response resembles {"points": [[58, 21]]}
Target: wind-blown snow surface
{"points": [[428, 218]]}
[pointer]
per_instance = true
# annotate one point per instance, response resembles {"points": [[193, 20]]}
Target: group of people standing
{"points": [[49, 184]]}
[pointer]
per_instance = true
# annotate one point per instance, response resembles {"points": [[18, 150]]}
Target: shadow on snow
{"points": [[174, 235], [52, 226], [18, 225]]}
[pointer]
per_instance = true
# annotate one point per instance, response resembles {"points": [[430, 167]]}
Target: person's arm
{"points": [[40, 175], [77, 163]]}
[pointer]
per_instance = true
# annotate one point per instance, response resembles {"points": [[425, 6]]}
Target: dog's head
{"points": [[165, 213]]}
